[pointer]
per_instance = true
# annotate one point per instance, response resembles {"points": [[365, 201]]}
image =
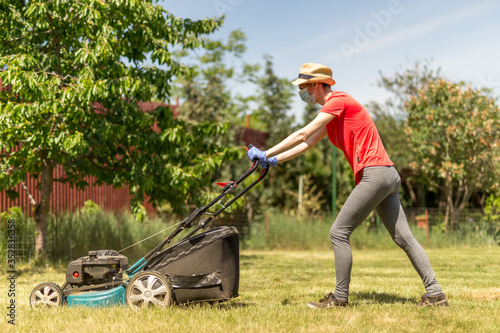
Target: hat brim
{"points": [[329, 81]]}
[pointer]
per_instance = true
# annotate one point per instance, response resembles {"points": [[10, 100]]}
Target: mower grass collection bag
{"points": [[202, 268]]}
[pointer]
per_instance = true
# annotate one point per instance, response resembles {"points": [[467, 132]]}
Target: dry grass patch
{"points": [[490, 294]]}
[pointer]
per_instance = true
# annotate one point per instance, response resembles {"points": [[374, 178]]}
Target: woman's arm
{"points": [[302, 147], [302, 137]]}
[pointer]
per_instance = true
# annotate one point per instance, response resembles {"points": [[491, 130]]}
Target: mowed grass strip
{"points": [[276, 285]]}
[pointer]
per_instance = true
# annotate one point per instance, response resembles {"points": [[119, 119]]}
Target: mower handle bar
{"points": [[198, 212]]}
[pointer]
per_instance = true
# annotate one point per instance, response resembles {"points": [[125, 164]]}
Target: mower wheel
{"points": [[46, 294], [149, 288]]}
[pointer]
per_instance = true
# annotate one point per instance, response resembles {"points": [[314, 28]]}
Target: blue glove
{"points": [[255, 153], [272, 161]]}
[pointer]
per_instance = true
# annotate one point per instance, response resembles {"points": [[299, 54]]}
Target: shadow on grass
{"points": [[250, 257], [250, 260], [375, 297]]}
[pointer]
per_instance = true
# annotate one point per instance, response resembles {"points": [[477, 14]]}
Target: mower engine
{"points": [[98, 267]]}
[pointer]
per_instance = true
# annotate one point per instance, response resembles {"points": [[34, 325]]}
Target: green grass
{"points": [[276, 285]]}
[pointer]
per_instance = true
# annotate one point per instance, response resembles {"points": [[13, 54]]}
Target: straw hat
{"points": [[311, 72]]}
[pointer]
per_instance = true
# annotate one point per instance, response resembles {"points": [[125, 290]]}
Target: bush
{"points": [[24, 226], [291, 232], [288, 232], [492, 216], [72, 235]]}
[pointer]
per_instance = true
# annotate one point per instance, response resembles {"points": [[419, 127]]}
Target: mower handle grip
{"points": [[250, 146], [249, 171]]}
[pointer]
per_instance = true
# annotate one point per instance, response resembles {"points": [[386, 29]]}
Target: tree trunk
{"points": [[449, 211], [43, 209], [456, 203], [411, 192]]}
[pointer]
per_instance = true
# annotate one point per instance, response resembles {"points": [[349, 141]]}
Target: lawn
{"points": [[276, 285]]}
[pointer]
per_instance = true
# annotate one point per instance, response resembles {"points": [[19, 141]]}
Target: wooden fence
{"points": [[66, 198]]}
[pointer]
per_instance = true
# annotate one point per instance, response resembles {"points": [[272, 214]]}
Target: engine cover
{"points": [[100, 266]]}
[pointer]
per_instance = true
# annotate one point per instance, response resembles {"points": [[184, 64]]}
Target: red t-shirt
{"points": [[353, 131]]}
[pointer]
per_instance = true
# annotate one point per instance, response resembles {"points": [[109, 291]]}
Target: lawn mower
{"points": [[199, 268]]}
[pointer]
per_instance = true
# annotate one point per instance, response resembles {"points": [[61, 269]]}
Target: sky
{"points": [[360, 39]]}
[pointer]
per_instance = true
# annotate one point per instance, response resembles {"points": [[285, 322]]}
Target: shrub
{"points": [[289, 232]]}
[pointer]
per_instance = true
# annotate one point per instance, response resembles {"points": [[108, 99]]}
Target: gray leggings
{"points": [[377, 190]]}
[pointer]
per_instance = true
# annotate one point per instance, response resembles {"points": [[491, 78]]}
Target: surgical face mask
{"points": [[306, 97]]}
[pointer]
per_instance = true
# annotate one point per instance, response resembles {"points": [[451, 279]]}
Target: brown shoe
{"points": [[327, 302], [439, 300]]}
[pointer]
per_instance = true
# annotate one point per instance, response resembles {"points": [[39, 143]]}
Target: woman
{"points": [[351, 129]]}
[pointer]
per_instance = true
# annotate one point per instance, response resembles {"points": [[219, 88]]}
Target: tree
{"points": [[455, 135], [392, 132], [77, 71], [406, 83], [390, 118], [207, 94], [274, 98], [205, 90]]}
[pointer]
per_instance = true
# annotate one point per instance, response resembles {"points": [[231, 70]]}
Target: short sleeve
{"points": [[334, 106]]}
